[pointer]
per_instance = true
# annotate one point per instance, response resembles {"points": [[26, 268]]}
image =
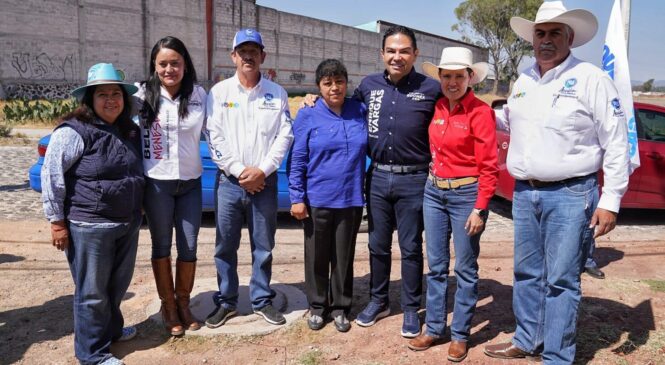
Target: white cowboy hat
{"points": [[584, 23], [457, 58]]}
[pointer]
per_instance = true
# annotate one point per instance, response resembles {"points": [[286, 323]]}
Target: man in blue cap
{"points": [[249, 132]]}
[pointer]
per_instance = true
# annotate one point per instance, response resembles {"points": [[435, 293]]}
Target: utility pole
{"points": [[625, 15]]}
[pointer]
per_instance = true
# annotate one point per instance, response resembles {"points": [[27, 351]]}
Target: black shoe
{"points": [[595, 272], [341, 323], [270, 314], [219, 316], [315, 322]]}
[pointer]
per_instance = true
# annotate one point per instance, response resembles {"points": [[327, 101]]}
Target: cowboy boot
{"points": [[184, 282], [164, 279]]}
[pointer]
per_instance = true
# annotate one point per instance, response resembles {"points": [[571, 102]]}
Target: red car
{"points": [[646, 188]]}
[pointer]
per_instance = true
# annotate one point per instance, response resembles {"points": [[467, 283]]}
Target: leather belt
{"points": [[444, 183], [400, 169], [544, 184]]}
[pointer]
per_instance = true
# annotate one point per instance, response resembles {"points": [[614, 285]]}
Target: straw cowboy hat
{"points": [[584, 23], [104, 74], [457, 58]]}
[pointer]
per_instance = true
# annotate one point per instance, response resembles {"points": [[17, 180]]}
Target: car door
{"points": [[651, 138]]}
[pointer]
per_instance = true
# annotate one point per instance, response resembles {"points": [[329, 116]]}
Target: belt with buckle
{"points": [[400, 169], [544, 184], [445, 183]]}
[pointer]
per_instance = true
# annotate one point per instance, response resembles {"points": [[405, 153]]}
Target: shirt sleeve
{"points": [[297, 173], [610, 120], [64, 149], [220, 153], [485, 152], [282, 141]]}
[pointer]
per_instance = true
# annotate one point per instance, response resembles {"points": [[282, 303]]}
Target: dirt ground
{"points": [[621, 320]]}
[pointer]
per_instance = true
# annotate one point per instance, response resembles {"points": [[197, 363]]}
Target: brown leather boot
{"points": [[164, 280], [184, 282]]}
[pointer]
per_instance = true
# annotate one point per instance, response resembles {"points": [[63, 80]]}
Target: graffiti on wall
{"points": [[44, 67], [270, 74], [298, 77]]}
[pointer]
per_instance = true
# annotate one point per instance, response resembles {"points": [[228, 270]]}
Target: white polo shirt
{"points": [[568, 123], [248, 128], [171, 145]]}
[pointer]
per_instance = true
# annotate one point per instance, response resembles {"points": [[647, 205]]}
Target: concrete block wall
{"points": [[47, 46]]}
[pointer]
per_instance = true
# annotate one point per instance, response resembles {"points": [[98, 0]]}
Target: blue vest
{"points": [[106, 183]]}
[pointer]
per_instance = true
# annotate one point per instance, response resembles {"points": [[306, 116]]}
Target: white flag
{"points": [[615, 63]]}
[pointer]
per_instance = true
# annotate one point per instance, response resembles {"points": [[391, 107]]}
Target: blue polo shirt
{"points": [[398, 116], [327, 163]]}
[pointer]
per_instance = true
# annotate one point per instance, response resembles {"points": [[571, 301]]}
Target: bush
{"points": [[21, 111]]}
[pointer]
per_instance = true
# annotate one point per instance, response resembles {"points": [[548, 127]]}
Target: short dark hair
{"points": [[330, 68], [399, 29], [153, 84]]}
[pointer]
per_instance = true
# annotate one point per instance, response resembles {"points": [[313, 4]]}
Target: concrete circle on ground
{"points": [[288, 299]]}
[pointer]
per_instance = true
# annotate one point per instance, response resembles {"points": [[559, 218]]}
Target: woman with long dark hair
{"points": [[171, 117], [92, 189]]}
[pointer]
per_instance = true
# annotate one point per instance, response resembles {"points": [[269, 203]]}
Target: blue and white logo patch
{"points": [[616, 105], [570, 83], [268, 96]]}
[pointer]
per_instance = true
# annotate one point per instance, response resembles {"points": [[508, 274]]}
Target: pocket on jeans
{"points": [[580, 187], [467, 190]]}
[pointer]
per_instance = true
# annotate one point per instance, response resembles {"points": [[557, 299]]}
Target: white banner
{"points": [[615, 63]]}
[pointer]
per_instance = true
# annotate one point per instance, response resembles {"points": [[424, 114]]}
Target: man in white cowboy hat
{"points": [[566, 123]]}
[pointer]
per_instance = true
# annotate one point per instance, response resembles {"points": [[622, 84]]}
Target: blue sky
{"points": [[646, 46]]}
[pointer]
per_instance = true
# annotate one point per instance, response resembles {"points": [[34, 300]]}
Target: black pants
{"points": [[330, 243]]}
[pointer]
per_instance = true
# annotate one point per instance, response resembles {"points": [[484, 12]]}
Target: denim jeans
{"points": [[170, 203], [234, 205], [589, 241], [445, 210], [396, 199], [549, 225], [101, 261]]}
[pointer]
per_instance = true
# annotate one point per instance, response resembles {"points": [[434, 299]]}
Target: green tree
{"points": [[648, 86], [486, 23]]}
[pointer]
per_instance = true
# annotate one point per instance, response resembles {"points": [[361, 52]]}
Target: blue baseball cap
{"points": [[247, 35], [104, 74]]}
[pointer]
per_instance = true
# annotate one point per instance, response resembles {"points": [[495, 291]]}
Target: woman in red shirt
{"points": [[462, 179]]}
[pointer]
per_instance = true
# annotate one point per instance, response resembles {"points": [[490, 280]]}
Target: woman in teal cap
{"points": [[92, 188]]}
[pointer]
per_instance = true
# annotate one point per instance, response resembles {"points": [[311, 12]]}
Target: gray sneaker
{"points": [[219, 316], [270, 314], [315, 322], [342, 324], [112, 361]]}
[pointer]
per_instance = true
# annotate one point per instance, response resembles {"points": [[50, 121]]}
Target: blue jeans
{"points": [[170, 203], [101, 261], [590, 242], [233, 206], [446, 209], [396, 199], [550, 224]]}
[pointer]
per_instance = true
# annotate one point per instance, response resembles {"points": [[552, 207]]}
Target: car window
{"points": [[652, 124]]}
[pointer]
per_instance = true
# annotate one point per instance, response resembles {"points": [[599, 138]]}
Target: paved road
{"points": [[18, 201]]}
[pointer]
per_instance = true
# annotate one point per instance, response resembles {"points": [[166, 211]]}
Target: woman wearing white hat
{"points": [[92, 188], [462, 180]]}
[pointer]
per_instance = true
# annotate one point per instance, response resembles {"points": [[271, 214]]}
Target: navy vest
{"points": [[106, 183]]}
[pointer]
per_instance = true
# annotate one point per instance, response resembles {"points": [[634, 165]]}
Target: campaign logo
{"points": [[438, 121], [570, 83], [373, 112], [415, 96], [616, 105], [519, 95], [268, 96], [268, 102], [231, 105]]}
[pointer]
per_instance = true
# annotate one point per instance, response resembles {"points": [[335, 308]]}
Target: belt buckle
{"points": [[532, 183]]}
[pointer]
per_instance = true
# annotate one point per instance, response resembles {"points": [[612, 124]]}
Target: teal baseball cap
{"points": [[104, 74]]}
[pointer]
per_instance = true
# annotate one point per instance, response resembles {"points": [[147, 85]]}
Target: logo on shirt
{"points": [[438, 121], [415, 96], [152, 141], [231, 105], [268, 102], [373, 109], [570, 83], [519, 95], [616, 106]]}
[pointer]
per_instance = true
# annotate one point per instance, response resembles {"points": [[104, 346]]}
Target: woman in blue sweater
{"points": [[326, 176]]}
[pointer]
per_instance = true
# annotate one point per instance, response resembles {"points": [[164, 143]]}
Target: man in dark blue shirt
{"points": [[400, 105]]}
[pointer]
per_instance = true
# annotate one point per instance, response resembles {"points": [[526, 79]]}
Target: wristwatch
{"points": [[481, 212]]}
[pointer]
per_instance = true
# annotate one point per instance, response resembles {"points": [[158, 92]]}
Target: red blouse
{"points": [[463, 143]]}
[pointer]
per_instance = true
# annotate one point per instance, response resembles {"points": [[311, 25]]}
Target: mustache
{"points": [[546, 47]]}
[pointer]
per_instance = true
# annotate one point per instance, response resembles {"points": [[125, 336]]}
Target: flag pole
{"points": [[625, 14]]}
